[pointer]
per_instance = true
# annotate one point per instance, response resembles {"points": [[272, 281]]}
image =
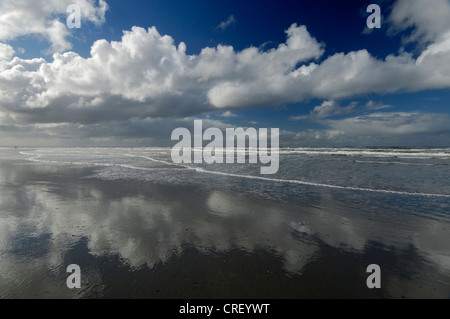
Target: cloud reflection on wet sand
{"points": [[135, 239]]}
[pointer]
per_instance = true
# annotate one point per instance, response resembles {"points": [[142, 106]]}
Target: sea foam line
{"points": [[400, 163], [200, 170], [160, 161], [381, 154], [37, 160]]}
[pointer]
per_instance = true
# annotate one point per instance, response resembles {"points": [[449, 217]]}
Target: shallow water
{"points": [[141, 227]]}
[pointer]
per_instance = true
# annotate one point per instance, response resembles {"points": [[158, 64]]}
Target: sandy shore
{"points": [[136, 239]]}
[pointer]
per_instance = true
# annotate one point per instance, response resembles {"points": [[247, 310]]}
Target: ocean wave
{"points": [[37, 157], [402, 163], [419, 154], [290, 181]]}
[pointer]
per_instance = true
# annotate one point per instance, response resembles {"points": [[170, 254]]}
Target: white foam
{"points": [[323, 185], [36, 158], [159, 161], [406, 153], [200, 170], [399, 163]]}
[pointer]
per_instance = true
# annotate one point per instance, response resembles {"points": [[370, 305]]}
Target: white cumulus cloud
{"points": [[45, 18], [150, 75], [147, 74]]}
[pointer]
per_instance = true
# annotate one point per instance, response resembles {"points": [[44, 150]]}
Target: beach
{"points": [[140, 227]]}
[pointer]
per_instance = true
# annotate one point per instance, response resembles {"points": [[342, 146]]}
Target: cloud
{"points": [[372, 106], [227, 23], [375, 129], [145, 75], [392, 123], [6, 52], [45, 18], [331, 108], [229, 114], [326, 109], [261, 78], [428, 20], [148, 75], [135, 131]]}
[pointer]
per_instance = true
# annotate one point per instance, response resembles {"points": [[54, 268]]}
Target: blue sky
{"points": [[137, 69], [196, 22]]}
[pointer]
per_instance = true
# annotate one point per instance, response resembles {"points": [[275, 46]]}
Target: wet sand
{"points": [[135, 239]]}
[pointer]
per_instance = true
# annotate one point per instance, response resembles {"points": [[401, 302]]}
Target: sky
{"points": [[135, 70]]}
